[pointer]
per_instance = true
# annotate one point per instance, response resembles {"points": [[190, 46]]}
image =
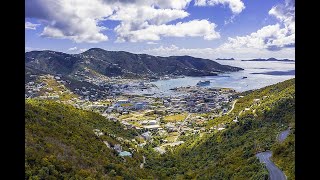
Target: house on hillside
{"points": [[125, 153], [138, 106], [123, 101], [152, 122], [152, 127], [146, 135], [117, 147]]}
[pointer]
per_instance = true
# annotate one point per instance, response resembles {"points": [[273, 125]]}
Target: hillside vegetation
{"points": [[230, 153], [60, 144], [284, 155]]}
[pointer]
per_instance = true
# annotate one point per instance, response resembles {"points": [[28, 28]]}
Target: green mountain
{"points": [[120, 63], [230, 153], [60, 142]]}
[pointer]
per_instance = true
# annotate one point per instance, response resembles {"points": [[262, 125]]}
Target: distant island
{"points": [[270, 59], [278, 73], [225, 59]]}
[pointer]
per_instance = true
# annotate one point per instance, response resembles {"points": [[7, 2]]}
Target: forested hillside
{"points": [[230, 153], [60, 142]]}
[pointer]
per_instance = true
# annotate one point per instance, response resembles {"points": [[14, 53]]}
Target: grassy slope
{"points": [[230, 154], [60, 143], [284, 155]]}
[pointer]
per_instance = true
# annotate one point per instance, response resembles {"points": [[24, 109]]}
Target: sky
{"points": [[241, 29]]}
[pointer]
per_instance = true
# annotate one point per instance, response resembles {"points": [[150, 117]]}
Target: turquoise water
{"points": [[265, 76]]}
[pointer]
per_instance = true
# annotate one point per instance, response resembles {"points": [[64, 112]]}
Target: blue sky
{"points": [[203, 28]]}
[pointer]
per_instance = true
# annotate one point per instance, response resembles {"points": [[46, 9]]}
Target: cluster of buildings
{"points": [[200, 100], [116, 147], [192, 102], [41, 89]]}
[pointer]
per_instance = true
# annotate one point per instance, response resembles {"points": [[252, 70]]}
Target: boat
{"points": [[244, 77], [203, 83]]}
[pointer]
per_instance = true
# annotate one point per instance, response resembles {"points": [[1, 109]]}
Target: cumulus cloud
{"points": [[76, 50], [236, 6], [82, 20], [28, 48], [146, 23], [163, 4], [29, 25], [150, 42], [175, 4], [73, 49], [194, 28], [213, 53], [277, 40], [75, 20], [272, 37], [83, 50]]}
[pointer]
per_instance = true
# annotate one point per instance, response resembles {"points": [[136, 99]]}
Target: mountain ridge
{"points": [[122, 63], [270, 59]]}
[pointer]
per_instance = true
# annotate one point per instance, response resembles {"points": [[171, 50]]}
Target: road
{"points": [[283, 135], [232, 106], [264, 157], [189, 114], [274, 172]]}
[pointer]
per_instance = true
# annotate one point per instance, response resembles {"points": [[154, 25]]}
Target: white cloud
{"points": [[272, 37], [83, 50], [75, 20], [82, 20], [285, 13], [162, 4], [139, 15], [236, 6], [277, 40], [175, 4], [29, 25], [76, 50], [28, 48], [73, 49], [213, 53], [230, 20], [194, 28], [145, 23], [150, 42]]}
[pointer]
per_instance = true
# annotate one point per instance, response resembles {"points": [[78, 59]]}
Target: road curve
{"points": [[234, 103], [274, 172], [283, 135]]}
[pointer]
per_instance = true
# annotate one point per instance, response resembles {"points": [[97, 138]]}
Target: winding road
{"points": [[283, 135], [232, 106], [274, 172], [264, 157]]}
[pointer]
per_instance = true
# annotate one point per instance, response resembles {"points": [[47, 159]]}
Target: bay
{"points": [[256, 74]]}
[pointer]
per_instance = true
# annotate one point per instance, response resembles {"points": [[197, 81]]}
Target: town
{"points": [[161, 122]]}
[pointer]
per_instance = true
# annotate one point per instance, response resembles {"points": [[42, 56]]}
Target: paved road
{"points": [[232, 106], [283, 135], [264, 157], [274, 172], [184, 121]]}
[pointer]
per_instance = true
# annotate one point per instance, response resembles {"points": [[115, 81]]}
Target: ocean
{"points": [[258, 74]]}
